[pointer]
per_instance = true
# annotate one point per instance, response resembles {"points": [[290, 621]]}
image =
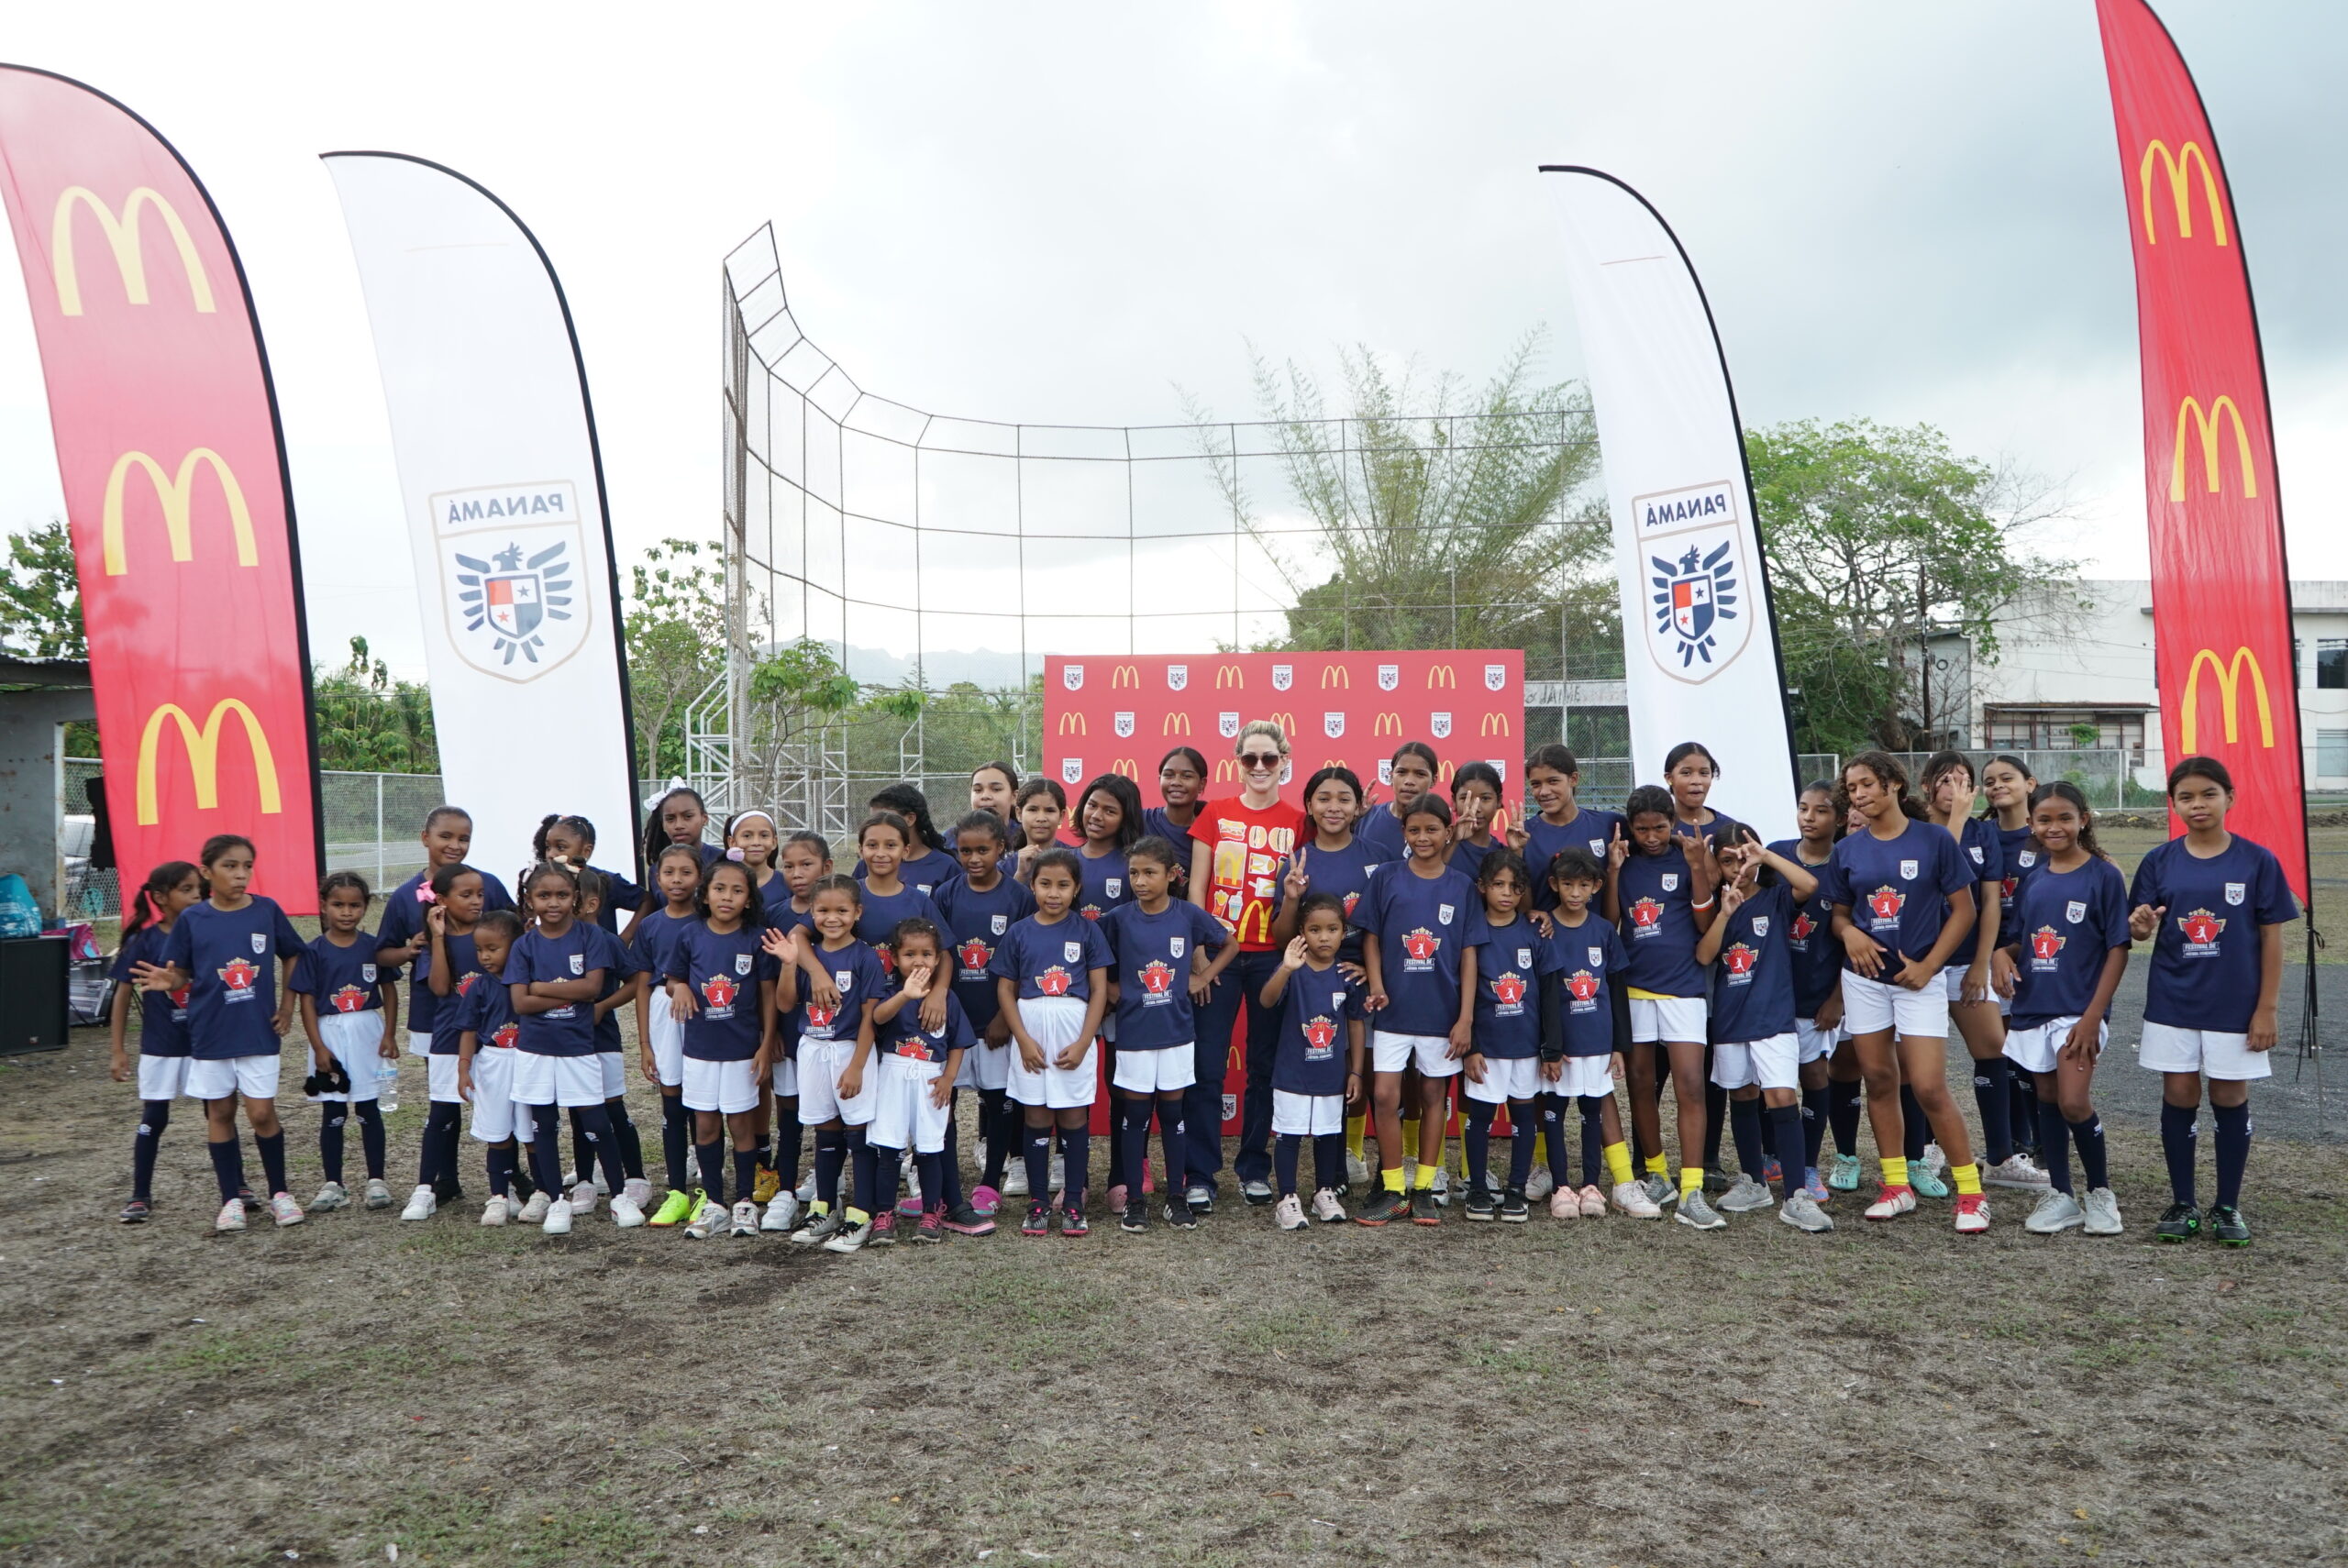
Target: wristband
{"points": [[1708, 903]]}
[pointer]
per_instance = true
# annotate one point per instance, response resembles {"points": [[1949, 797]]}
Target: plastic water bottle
{"points": [[387, 1085]]}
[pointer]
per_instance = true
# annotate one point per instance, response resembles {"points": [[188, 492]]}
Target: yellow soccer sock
{"points": [[1423, 1178], [1618, 1163], [1355, 1126], [1968, 1178], [1692, 1179], [1539, 1151], [1895, 1170], [857, 1216], [1392, 1178], [817, 1205], [1658, 1165]]}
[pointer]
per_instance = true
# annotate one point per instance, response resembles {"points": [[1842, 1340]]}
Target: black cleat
{"points": [[1514, 1208], [1180, 1215], [2178, 1223], [2227, 1224], [1136, 1216], [1480, 1205], [1387, 1208], [136, 1211]]}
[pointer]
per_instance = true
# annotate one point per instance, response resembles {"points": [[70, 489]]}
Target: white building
{"points": [[2065, 678]]}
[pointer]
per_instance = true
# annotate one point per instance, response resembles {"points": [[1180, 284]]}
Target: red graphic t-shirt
{"points": [[1243, 871]]}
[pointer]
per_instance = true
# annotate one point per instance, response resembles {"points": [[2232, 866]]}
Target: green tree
{"points": [[676, 644], [40, 598], [1879, 538], [370, 723], [1434, 515]]}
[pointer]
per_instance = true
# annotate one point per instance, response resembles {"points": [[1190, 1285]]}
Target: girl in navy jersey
{"points": [[1317, 1063], [1972, 993], [679, 817], [554, 984], [913, 1082], [1409, 773], [444, 969], [2008, 784], [830, 982], [1051, 982], [928, 863], [753, 839], [805, 859], [352, 1017], [1159, 945], [659, 1034], [227, 953], [1424, 919], [570, 841], [1830, 1065], [480, 1017], [1757, 1055], [1041, 808], [624, 981], [1903, 901], [1181, 782], [2213, 905], [1584, 1027], [1338, 861], [992, 786], [982, 905], [1552, 781], [1690, 771], [170, 890], [2062, 959], [1503, 1061], [1659, 897], [722, 985], [889, 900], [1475, 801], [447, 837], [1108, 813]]}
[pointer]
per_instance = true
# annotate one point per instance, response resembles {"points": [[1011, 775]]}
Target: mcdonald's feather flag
{"points": [[2221, 589], [173, 472]]}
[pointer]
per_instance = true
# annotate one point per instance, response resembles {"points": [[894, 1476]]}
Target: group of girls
{"points": [[1380, 950]]}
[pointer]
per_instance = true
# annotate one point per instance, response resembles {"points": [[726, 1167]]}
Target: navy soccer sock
{"points": [[332, 1115], [1076, 1155], [712, 1157], [1914, 1131], [1038, 1154], [370, 1137], [624, 1141], [1791, 1139], [746, 1171], [2233, 1150], [2055, 1147], [935, 1182], [788, 1136], [228, 1167], [1528, 1126], [864, 1168], [886, 1161], [272, 1160], [1842, 1115], [1328, 1161], [674, 1139], [1716, 1114], [1286, 1146], [1593, 1139], [596, 1123], [1476, 1141], [1744, 1121], [831, 1153], [501, 1169], [2179, 1134], [998, 1129], [1994, 1098], [1816, 1106], [1174, 1134], [545, 1149], [154, 1115], [2088, 1136], [1133, 1138]]}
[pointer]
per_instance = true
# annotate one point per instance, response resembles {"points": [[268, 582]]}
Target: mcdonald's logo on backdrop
{"points": [[1124, 675], [123, 235], [1494, 725], [203, 747], [1231, 675], [1072, 723], [1287, 721], [175, 493], [1443, 774], [2181, 190], [2207, 427], [1442, 675], [1175, 725], [1227, 769], [1125, 768], [1336, 675], [1387, 723], [2229, 694]]}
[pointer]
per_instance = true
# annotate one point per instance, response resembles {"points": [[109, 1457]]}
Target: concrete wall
{"points": [[32, 783]]}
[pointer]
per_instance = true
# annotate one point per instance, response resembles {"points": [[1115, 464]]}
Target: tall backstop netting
{"points": [[894, 578]]}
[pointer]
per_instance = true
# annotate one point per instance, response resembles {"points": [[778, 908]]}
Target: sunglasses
{"points": [[1259, 759]]}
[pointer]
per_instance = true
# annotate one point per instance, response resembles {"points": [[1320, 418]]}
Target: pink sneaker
{"points": [[1593, 1203], [1564, 1204], [910, 1207], [985, 1200], [1149, 1181]]}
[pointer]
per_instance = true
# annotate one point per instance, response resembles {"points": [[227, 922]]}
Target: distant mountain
{"points": [[985, 668]]}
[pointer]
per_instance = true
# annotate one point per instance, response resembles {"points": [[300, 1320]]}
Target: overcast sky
{"points": [[1062, 213]]}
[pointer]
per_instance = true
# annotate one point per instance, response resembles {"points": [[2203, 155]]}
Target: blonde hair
{"points": [[1260, 727]]}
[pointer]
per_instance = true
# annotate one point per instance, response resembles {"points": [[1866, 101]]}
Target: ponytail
{"points": [[162, 879]]}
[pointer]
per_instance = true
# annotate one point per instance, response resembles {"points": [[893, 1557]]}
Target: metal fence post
{"points": [[378, 831]]}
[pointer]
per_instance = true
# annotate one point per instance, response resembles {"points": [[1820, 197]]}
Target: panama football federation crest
{"points": [[1906, 870], [742, 962], [512, 585], [1072, 677], [1177, 678], [2074, 910], [1000, 924], [2237, 891], [261, 942], [1390, 676], [1332, 725], [1693, 595], [1692, 539], [1123, 725], [1226, 725], [1495, 676], [1071, 769], [1440, 723], [1283, 677], [1174, 946]]}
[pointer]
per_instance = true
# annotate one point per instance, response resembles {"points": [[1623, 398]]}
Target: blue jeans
{"points": [[1203, 1106]]}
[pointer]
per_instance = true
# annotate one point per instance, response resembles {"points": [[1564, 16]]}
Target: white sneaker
{"points": [[1442, 1189], [497, 1210], [1058, 1178], [745, 1218], [1014, 1181], [1747, 1194], [782, 1214], [1802, 1211], [378, 1193], [1327, 1208], [807, 1193], [1540, 1185], [1696, 1209], [638, 1191], [420, 1204], [707, 1221], [850, 1237], [2102, 1208], [626, 1213], [330, 1196], [1290, 1214], [1934, 1159], [232, 1216], [1631, 1197], [582, 1198], [535, 1211], [2055, 1212], [1357, 1172], [1892, 1202], [2015, 1171], [602, 1189], [557, 1221]]}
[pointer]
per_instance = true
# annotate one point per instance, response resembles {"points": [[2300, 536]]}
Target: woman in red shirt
{"points": [[1236, 843]]}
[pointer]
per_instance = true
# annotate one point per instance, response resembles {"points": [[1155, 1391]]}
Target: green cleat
{"points": [[2178, 1223], [1926, 1180], [675, 1210], [1843, 1176], [2227, 1224]]}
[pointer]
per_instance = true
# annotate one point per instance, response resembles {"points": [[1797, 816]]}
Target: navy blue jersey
{"points": [[1896, 889], [617, 961], [1512, 962], [653, 938], [2205, 951], [724, 970], [465, 977], [2066, 925], [568, 1030], [343, 980], [927, 873], [1151, 955], [1105, 884], [1052, 960], [1588, 961], [980, 920], [1659, 926], [1467, 859], [881, 911], [903, 1035], [1983, 852], [1809, 938], [162, 1015], [1422, 926], [1712, 830], [1310, 1053], [858, 976], [403, 911], [485, 1007], [2016, 855], [1344, 872], [1586, 829], [1753, 987], [1382, 831], [1154, 820], [230, 957], [619, 893]]}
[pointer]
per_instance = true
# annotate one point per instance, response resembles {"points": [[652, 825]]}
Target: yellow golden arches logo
{"points": [[2229, 695], [175, 492], [1072, 723], [1231, 673], [122, 237], [1175, 725], [2180, 189], [1125, 768], [1124, 675], [1495, 724], [1336, 675], [2207, 427], [1387, 723], [1226, 768], [1287, 721], [1442, 675], [203, 756]]}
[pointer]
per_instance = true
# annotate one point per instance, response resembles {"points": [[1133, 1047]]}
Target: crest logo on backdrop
{"points": [[1178, 677], [509, 559], [1072, 677], [1698, 625]]}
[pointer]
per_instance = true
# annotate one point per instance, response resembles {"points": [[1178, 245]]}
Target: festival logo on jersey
{"points": [[2006, 887], [1090, 912], [351, 999], [974, 955], [2046, 946], [819, 1016], [1419, 948], [719, 993], [1582, 986], [2202, 929], [1157, 979], [1508, 990], [1283, 677], [1646, 917], [1738, 960], [467, 983], [1319, 1038], [1053, 982], [178, 1002], [1178, 677], [1883, 908], [238, 974], [506, 1036], [1797, 935], [1351, 899], [1390, 676]]}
